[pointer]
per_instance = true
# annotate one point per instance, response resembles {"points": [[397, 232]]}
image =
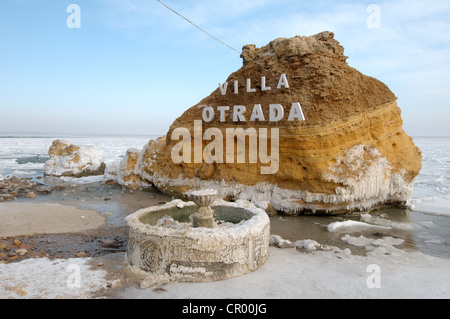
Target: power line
{"points": [[213, 37], [216, 39], [202, 30]]}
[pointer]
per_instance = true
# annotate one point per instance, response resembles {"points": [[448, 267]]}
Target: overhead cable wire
{"points": [[202, 30], [211, 36]]}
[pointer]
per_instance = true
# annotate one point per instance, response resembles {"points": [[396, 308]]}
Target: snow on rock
{"points": [[127, 172], [112, 170], [368, 178], [277, 241], [351, 224], [262, 204], [309, 245], [167, 221], [67, 159], [363, 170], [265, 205]]}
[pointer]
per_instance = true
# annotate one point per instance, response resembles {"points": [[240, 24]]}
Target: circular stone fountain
{"points": [[172, 239]]}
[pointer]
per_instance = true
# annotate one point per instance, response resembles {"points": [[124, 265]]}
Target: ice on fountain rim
{"points": [[253, 225]]}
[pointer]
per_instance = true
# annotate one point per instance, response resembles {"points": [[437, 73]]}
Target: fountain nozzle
{"points": [[204, 216]]}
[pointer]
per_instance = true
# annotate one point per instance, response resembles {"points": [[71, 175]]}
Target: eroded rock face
{"points": [[349, 154], [67, 159], [128, 172]]}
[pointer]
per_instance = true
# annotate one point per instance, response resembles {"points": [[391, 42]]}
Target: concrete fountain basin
{"points": [[163, 241]]}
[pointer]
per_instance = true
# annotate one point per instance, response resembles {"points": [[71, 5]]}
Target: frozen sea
{"points": [[24, 156], [427, 221]]}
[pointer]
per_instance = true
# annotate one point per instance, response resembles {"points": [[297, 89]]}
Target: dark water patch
{"points": [[32, 159], [305, 227], [63, 245], [109, 199], [430, 234], [433, 235]]}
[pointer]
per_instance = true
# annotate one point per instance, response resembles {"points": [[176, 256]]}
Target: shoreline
{"points": [[26, 219], [396, 251]]}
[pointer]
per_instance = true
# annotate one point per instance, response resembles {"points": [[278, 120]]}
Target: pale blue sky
{"points": [[134, 66]]}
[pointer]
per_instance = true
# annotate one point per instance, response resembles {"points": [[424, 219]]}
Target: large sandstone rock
{"points": [[349, 154], [67, 159]]}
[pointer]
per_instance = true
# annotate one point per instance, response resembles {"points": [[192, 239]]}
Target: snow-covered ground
{"points": [[386, 272], [324, 274], [42, 278]]}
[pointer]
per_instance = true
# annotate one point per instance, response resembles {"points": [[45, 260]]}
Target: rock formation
{"points": [[67, 159], [13, 187], [350, 152], [128, 171]]}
